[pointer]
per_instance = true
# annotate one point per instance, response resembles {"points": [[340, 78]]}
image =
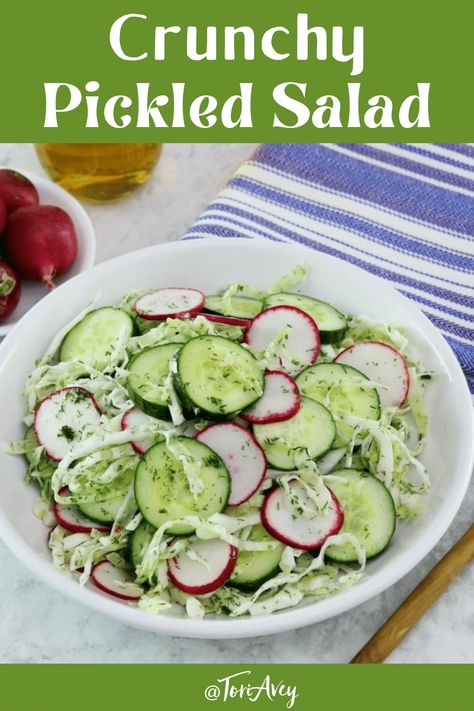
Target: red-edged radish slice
{"points": [[242, 455], [302, 335], [195, 577], [172, 302], [115, 581], [384, 365], [298, 531], [281, 400], [72, 519], [61, 417], [134, 418], [228, 320]]}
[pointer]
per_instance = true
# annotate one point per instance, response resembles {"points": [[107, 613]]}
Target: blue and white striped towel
{"points": [[402, 211]]}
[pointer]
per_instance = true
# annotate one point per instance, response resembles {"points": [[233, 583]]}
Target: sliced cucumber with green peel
{"points": [[45, 465], [341, 388], [236, 306], [139, 541], [217, 377], [331, 323], [253, 568], [162, 487], [31, 443], [143, 326], [147, 373], [105, 509], [369, 513], [311, 433], [95, 338]]}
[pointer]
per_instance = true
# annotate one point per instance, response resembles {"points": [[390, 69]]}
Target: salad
{"points": [[228, 454]]}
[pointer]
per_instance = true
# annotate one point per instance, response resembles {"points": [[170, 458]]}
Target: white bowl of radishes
{"points": [[207, 265], [46, 237]]}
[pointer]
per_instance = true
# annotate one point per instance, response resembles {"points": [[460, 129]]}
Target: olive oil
{"points": [[99, 172]]}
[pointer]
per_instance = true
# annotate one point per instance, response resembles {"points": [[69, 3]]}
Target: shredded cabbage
{"points": [[100, 465]]}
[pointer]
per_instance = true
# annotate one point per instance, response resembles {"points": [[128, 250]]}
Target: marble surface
{"points": [[38, 625]]}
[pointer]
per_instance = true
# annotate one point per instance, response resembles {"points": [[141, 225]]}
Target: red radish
{"points": [[41, 242], [72, 519], [134, 418], [115, 581], [3, 215], [198, 578], [282, 520], [61, 418], [280, 401], [172, 302], [10, 290], [299, 333], [242, 455], [228, 320], [16, 190], [384, 365]]}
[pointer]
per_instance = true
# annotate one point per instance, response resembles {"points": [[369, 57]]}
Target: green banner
{"points": [[285, 70], [197, 686]]}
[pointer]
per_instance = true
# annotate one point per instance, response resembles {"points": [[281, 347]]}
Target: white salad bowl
{"points": [[52, 194], [210, 264]]}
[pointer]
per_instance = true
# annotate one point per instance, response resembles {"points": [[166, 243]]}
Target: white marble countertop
{"points": [[38, 625]]}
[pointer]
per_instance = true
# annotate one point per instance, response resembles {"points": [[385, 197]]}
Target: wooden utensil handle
{"points": [[400, 623]]}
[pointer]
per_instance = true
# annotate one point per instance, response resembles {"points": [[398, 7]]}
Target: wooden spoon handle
{"points": [[417, 603]]}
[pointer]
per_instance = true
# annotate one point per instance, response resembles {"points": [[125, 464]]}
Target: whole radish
{"points": [[3, 215], [10, 290], [41, 242], [16, 190]]}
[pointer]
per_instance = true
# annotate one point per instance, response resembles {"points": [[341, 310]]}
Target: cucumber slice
{"points": [[369, 513], [142, 325], [312, 429], [238, 306], [94, 339], [162, 488], [331, 323], [139, 540], [253, 568], [104, 509], [31, 443], [339, 388], [217, 377], [45, 465], [147, 372]]}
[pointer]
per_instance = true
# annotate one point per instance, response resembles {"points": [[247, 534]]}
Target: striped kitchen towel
{"points": [[404, 212]]}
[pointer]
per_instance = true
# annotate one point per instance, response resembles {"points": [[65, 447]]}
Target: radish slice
{"points": [[173, 302], [61, 418], [134, 418], [281, 400], [229, 320], [297, 328], [72, 519], [242, 455], [213, 568], [384, 365], [115, 581], [280, 518]]}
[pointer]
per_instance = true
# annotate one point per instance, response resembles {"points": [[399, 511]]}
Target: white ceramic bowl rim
{"points": [[284, 620]]}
